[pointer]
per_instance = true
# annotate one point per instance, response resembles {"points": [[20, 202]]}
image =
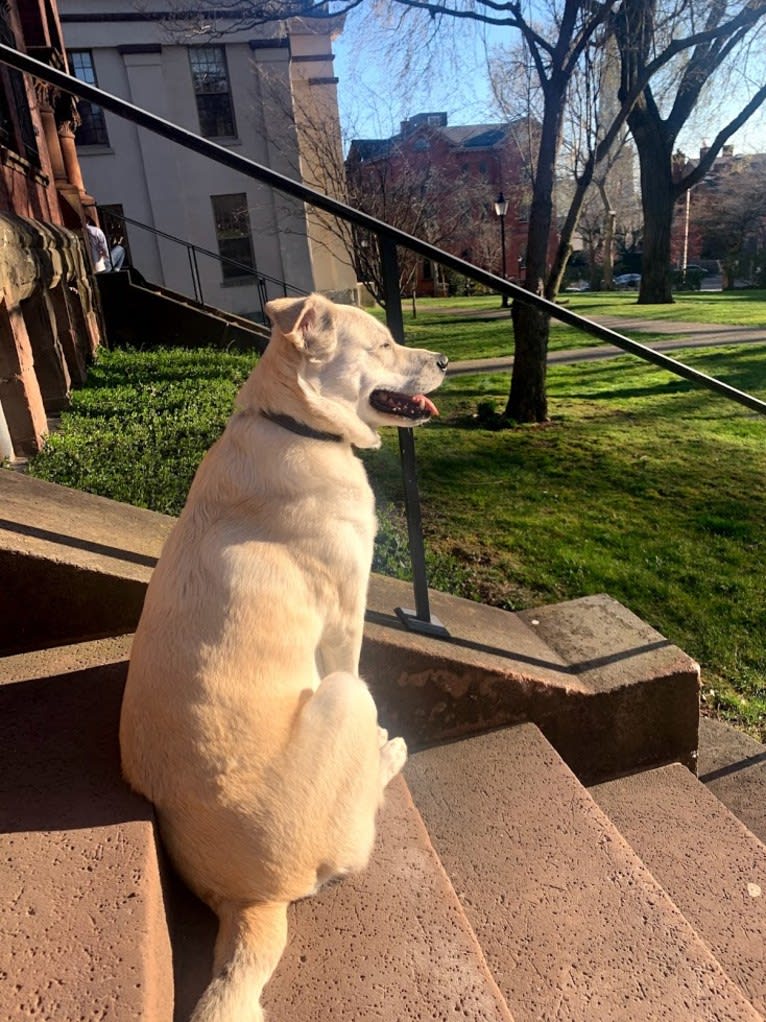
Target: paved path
{"points": [[685, 335]]}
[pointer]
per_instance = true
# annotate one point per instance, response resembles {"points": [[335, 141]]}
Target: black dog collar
{"points": [[294, 426]]}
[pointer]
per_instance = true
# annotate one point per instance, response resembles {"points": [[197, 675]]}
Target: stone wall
{"points": [[49, 327]]}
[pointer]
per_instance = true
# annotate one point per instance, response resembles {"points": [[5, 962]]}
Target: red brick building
{"points": [[49, 324], [440, 183], [721, 223]]}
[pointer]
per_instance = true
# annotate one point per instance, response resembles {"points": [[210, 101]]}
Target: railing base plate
{"points": [[413, 623]]}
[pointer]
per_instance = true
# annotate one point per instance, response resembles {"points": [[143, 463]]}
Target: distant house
{"points": [[720, 224], [253, 91], [440, 182], [49, 321]]}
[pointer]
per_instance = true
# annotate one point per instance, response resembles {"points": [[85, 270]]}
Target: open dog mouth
{"points": [[404, 406]]}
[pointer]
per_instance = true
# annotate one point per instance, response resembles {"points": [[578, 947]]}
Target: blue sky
{"points": [[373, 101]]}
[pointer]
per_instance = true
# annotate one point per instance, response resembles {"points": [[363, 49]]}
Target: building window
{"points": [[211, 88], [232, 229], [19, 134], [92, 129]]}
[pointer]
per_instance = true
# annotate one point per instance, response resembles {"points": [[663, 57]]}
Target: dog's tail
{"points": [[251, 939]]}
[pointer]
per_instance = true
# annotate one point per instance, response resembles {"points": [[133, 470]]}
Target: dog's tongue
{"points": [[426, 404]]}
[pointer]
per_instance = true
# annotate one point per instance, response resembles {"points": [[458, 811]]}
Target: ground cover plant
{"points": [[138, 429], [642, 486]]}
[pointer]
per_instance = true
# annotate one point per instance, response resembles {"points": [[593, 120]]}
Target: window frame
{"points": [[239, 210], [92, 131], [207, 116], [17, 129]]}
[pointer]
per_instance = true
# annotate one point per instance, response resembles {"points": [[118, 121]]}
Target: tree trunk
{"points": [[527, 401], [658, 195], [658, 201]]}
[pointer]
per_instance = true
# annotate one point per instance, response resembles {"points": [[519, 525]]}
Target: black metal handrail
{"points": [[260, 278], [389, 238]]}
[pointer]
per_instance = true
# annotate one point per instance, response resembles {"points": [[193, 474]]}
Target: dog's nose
{"points": [[442, 361]]}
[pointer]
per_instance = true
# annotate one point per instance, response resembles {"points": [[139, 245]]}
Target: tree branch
{"points": [[706, 162]]}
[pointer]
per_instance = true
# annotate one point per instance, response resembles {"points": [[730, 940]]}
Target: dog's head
{"points": [[337, 369]]}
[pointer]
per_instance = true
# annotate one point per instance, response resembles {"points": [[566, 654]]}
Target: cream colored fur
{"points": [[244, 719]]}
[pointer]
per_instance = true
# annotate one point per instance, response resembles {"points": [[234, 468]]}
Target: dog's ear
{"points": [[309, 323]]}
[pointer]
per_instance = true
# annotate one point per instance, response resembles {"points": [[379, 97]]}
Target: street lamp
{"points": [[501, 208]]}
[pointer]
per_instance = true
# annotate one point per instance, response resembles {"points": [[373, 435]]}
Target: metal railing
{"points": [[261, 280], [389, 238]]}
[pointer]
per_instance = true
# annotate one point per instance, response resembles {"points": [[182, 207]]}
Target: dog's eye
{"points": [[385, 344]]}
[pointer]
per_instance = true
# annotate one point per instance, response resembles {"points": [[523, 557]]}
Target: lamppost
{"points": [[501, 208]]}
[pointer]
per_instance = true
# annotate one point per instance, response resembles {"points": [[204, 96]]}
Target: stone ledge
{"points": [[83, 917], [609, 692]]}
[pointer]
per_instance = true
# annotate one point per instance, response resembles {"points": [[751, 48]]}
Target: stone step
{"points": [[82, 914], [573, 925], [391, 943], [584, 667], [80, 565], [733, 766], [92, 915], [713, 867]]}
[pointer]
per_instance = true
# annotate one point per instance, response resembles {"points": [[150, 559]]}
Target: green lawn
{"points": [[641, 486], [475, 327], [734, 308]]}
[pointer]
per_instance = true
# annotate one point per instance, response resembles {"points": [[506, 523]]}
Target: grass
{"points": [[642, 486], [733, 308], [137, 431], [466, 328]]}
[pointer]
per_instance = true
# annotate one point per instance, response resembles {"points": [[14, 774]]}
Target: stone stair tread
{"points": [[586, 666], [82, 915], [712, 867], [391, 943], [733, 766], [571, 922], [58, 524]]}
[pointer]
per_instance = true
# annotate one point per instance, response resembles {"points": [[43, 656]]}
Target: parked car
{"points": [[627, 280]]}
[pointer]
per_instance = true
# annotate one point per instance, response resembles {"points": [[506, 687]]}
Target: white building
{"points": [[258, 91]]}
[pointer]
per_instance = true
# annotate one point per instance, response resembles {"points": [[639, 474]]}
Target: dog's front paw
{"points": [[393, 756]]}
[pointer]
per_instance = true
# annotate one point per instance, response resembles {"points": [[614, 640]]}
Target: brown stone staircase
{"points": [[502, 887], [138, 312]]}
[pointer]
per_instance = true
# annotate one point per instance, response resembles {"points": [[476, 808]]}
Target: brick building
{"points": [[440, 183], [721, 222], [49, 323]]}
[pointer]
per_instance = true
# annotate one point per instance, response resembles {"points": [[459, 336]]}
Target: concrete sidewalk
{"points": [[686, 335]]}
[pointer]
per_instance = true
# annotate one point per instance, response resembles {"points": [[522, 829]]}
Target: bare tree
{"points": [[717, 34], [730, 217]]}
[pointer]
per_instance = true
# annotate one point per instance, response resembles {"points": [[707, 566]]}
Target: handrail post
{"points": [[190, 254], [419, 620]]}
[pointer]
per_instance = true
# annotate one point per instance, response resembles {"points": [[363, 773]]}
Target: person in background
{"points": [[117, 254], [99, 250]]}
